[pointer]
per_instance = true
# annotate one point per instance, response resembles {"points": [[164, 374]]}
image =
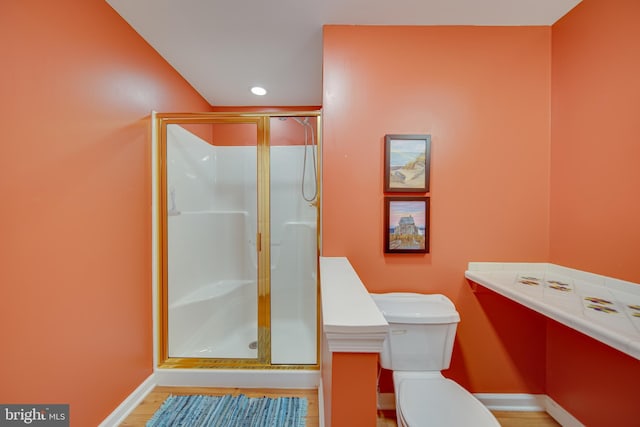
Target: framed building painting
{"points": [[406, 163], [406, 225]]}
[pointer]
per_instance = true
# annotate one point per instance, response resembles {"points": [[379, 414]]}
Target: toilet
{"points": [[417, 348]]}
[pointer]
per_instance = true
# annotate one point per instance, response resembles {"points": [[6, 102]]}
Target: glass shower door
{"points": [[238, 204], [212, 242], [294, 248]]}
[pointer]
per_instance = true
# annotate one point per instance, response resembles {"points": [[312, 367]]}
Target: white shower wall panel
{"points": [[287, 203], [190, 170], [294, 296], [293, 256], [208, 177], [235, 178], [219, 320], [205, 247]]}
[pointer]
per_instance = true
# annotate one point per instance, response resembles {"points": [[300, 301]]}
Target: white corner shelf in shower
{"points": [[213, 290], [603, 308]]}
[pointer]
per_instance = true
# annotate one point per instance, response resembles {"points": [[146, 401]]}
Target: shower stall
{"points": [[238, 219]]}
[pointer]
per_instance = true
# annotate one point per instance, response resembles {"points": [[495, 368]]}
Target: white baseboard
{"points": [[512, 401], [129, 404], [560, 414]]}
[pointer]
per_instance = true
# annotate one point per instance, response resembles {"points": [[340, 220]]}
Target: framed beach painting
{"points": [[406, 163], [406, 228]]}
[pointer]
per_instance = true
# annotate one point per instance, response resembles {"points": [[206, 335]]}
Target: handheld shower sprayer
{"points": [[308, 127]]}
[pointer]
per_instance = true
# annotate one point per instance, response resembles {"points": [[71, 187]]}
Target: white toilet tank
{"points": [[422, 329]]}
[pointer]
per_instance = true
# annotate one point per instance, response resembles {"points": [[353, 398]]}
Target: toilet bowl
{"points": [[437, 401], [417, 348]]}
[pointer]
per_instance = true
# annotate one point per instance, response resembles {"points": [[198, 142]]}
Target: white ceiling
{"points": [[224, 47]]}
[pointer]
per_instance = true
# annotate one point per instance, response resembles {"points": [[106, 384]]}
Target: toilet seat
{"points": [[440, 402]]}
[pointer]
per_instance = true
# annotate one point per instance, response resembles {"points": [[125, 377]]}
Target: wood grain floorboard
{"points": [[525, 419], [152, 402]]}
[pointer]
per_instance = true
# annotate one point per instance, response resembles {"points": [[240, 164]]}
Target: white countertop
{"points": [[601, 307], [351, 320]]}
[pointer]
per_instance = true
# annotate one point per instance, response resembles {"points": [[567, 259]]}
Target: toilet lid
{"points": [[443, 403]]}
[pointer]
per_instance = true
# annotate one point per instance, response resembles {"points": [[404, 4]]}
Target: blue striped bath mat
{"points": [[230, 411]]}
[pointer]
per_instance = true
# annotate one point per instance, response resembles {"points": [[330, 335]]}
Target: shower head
{"points": [[302, 122]]}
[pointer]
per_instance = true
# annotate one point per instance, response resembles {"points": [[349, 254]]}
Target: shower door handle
{"points": [[259, 242]]}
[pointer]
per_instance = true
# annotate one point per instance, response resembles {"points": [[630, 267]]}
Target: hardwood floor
{"points": [[525, 419], [152, 402]]}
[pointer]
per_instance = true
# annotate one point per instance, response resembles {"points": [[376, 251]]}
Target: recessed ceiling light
{"points": [[257, 90]]}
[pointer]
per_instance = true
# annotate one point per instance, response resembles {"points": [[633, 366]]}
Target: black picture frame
{"points": [[406, 225], [407, 160]]}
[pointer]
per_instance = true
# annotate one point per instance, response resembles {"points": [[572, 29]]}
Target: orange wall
{"points": [[290, 132], [77, 86], [354, 375], [282, 131], [483, 95], [594, 194], [595, 149], [590, 380]]}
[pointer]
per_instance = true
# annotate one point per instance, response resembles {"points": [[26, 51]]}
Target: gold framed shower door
{"points": [[263, 239]]}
